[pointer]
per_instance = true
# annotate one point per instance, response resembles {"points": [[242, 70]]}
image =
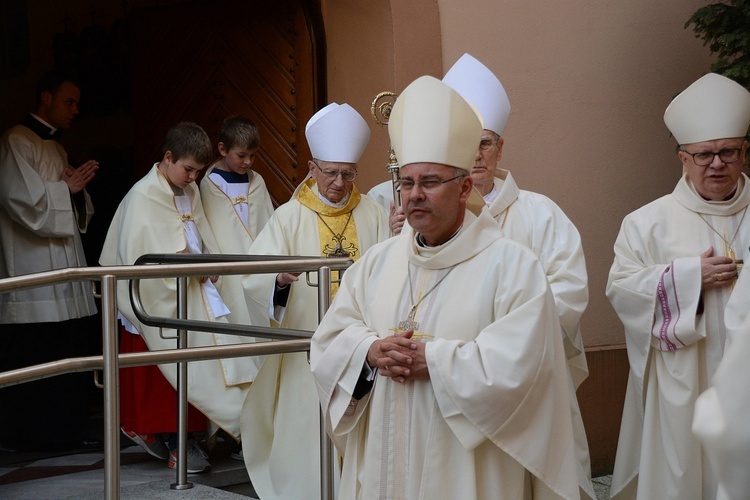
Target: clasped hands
{"points": [[78, 178], [399, 357]]}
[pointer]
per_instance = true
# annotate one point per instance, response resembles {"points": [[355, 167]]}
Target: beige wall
{"points": [[375, 46], [588, 83]]}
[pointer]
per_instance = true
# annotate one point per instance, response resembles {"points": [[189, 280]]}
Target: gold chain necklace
{"points": [[409, 323], [505, 217], [338, 250], [728, 244]]}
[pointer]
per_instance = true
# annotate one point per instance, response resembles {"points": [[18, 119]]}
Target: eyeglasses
{"points": [[705, 158], [331, 174], [427, 185]]}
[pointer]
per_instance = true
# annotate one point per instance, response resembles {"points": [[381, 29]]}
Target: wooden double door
{"points": [[202, 61]]}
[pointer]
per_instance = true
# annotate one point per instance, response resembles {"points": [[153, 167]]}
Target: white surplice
{"points": [[236, 218], [280, 421], [148, 221], [40, 229], [675, 336], [493, 420]]}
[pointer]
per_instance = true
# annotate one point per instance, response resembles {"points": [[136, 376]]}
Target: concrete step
{"points": [[145, 478]]}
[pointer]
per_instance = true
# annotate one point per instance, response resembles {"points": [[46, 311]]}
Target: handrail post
{"points": [[326, 447], [182, 391], [110, 336]]}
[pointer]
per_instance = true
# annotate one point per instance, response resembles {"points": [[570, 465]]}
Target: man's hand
{"points": [[78, 178], [286, 279], [396, 219], [399, 357], [716, 272]]}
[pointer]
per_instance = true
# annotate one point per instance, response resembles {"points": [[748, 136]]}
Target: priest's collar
{"points": [[422, 243], [41, 128], [476, 235]]}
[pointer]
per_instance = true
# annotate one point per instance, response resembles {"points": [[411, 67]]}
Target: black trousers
{"points": [[52, 411]]}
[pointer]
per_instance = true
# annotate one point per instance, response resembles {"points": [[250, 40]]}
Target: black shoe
{"points": [[237, 452]]}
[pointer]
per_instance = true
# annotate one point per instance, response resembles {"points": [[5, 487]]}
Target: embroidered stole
{"points": [[336, 228]]}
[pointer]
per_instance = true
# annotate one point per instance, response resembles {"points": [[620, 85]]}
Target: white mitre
{"points": [[431, 123], [478, 85], [337, 133], [713, 107]]}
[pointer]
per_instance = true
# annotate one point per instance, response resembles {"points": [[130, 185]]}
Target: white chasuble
{"points": [[675, 336], [538, 223], [280, 420], [148, 221], [236, 212], [493, 419]]}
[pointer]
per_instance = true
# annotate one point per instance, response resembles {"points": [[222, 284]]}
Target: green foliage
{"points": [[725, 29]]}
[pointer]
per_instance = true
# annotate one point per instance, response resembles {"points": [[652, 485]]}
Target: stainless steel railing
{"points": [[110, 361]]}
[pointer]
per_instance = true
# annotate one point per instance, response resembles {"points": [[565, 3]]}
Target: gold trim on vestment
{"points": [[334, 226]]}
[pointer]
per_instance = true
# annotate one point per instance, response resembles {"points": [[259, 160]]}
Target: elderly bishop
{"points": [[676, 263], [326, 216]]}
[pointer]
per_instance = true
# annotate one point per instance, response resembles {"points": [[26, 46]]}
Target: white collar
{"points": [[328, 202]]}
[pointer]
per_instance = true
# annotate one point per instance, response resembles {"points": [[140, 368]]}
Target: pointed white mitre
{"points": [[337, 133], [712, 107], [478, 85], [431, 123]]}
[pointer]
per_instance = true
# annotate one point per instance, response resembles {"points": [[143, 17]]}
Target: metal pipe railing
{"points": [[110, 361], [161, 357], [111, 420], [216, 267], [227, 328], [110, 364], [326, 447], [181, 324], [182, 391]]}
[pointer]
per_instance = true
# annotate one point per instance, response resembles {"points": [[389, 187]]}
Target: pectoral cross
{"points": [[338, 250], [409, 323]]}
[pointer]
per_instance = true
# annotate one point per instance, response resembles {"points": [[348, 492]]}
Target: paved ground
{"points": [[80, 475], [601, 487]]}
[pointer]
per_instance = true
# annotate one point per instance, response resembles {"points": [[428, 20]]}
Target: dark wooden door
{"points": [[204, 61]]}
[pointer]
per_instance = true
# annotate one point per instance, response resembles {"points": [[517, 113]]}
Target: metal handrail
{"points": [[181, 324], [216, 267], [160, 357], [110, 360], [211, 326]]}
